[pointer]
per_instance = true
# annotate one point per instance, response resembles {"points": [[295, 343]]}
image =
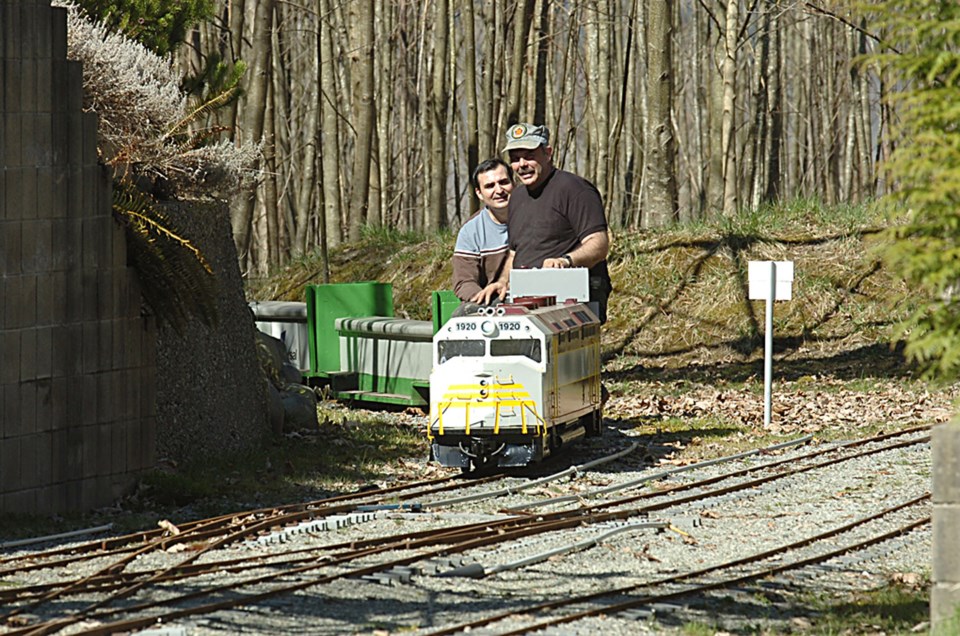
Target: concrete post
{"points": [[945, 592]]}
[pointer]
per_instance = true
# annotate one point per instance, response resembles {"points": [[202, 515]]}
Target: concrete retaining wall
{"points": [[77, 360], [211, 398]]}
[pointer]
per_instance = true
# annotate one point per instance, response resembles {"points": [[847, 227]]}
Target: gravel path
{"points": [[701, 534]]}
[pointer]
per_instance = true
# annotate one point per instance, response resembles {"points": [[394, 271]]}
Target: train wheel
{"points": [[593, 424]]}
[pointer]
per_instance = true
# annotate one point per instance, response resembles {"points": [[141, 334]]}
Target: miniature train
{"points": [[506, 387], [514, 384]]}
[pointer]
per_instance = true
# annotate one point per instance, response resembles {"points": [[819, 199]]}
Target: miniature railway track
{"points": [[732, 574], [112, 576], [205, 528], [415, 546], [219, 532]]}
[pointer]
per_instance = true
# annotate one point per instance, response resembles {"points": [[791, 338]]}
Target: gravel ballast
{"points": [[701, 534]]}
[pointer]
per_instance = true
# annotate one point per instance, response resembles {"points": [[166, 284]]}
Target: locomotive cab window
{"points": [[529, 348], [448, 349]]}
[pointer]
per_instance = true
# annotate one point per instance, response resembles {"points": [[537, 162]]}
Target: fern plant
{"points": [[147, 134], [177, 282]]}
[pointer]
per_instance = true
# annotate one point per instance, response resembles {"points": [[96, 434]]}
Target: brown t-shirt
{"points": [[553, 220]]}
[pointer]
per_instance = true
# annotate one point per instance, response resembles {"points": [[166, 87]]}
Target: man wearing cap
{"points": [[481, 250], [556, 218]]}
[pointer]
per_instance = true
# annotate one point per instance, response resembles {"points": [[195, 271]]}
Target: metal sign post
{"points": [[770, 281]]}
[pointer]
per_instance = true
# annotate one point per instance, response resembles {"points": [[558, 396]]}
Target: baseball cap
{"points": [[527, 136]]}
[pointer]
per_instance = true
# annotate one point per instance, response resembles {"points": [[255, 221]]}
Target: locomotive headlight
{"points": [[488, 328]]}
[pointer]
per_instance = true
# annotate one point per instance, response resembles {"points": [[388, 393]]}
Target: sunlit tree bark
{"points": [[252, 123], [728, 146], [361, 60], [436, 208], [329, 144], [660, 200], [467, 8], [764, 106]]}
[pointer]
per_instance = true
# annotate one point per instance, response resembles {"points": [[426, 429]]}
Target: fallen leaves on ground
{"points": [[808, 408]]}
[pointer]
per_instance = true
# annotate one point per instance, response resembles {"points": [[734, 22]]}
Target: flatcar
{"points": [[515, 383]]}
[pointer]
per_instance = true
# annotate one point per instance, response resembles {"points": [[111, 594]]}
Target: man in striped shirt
{"points": [[482, 248]]}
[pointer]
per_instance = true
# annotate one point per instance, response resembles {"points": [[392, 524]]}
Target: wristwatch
{"points": [[569, 259]]}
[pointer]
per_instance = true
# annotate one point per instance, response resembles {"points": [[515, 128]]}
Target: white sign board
{"points": [[563, 283], [760, 284]]}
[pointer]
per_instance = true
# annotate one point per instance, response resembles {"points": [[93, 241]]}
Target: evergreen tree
{"points": [[160, 25], [922, 60]]}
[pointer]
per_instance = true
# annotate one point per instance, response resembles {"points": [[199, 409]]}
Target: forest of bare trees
{"points": [[373, 112]]}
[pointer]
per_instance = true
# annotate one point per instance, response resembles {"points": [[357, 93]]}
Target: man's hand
{"points": [[592, 249], [485, 295]]}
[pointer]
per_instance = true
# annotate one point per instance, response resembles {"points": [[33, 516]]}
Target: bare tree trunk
{"points": [[757, 133], [617, 197], [385, 103], [488, 102], [596, 62], [849, 190], [541, 35], [286, 159], [868, 180], [792, 94], [362, 59], [437, 122], [330, 135], [660, 193], [470, 81], [253, 121], [728, 134], [270, 206], [560, 103], [232, 47], [305, 195], [521, 25], [693, 114], [714, 134], [825, 104], [774, 115]]}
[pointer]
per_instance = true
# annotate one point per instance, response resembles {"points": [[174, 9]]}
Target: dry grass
{"points": [[687, 300], [680, 294], [414, 264]]}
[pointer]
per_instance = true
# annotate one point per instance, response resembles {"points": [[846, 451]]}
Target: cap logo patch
{"points": [[519, 131]]}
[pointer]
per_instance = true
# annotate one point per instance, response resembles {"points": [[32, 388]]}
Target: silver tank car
{"points": [[514, 384]]}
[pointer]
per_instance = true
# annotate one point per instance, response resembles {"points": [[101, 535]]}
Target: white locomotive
{"points": [[516, 382]]}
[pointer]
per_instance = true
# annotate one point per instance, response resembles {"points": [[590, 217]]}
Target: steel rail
{"points": [[6, 545], [201, 530], [653, 598], [740, 580], [166, 542], [138, 623], [147, 535], [666, 473], [476, 535], [574, 470], [844, 446], [512, 490], [478, 570]]}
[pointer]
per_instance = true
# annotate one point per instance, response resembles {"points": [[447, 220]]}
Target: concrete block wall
{"points": [[77, 361], [945, 590]]}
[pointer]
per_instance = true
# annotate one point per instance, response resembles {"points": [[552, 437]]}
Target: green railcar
{"points": [[361, 352]]}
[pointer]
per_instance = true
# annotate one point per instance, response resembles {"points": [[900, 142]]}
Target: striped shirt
{"points": [[479, 254]]}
